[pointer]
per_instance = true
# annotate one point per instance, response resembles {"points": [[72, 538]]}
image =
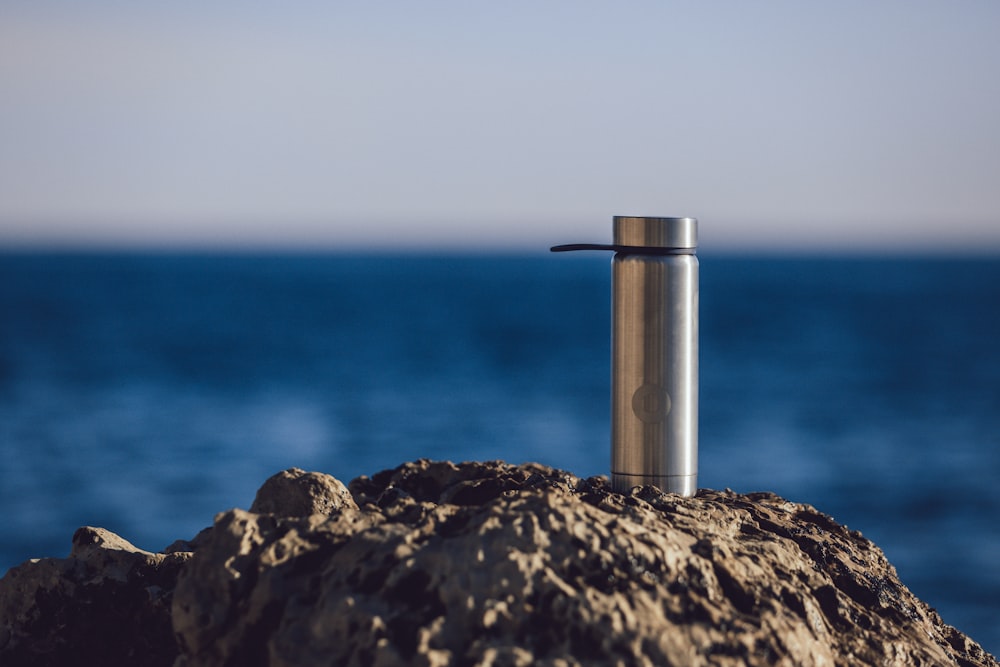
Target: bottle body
{"points": [[654, 388]]}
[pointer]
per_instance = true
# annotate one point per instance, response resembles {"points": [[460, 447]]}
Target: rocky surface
{"points": [[108, 603], [481, 564]]}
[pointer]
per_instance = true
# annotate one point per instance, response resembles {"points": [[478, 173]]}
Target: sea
{"points": [[144, 392]]}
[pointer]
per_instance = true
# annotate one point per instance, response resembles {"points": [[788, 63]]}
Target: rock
{"points": [[492, 564], [107, 603], [434, 563], [295, 492]]}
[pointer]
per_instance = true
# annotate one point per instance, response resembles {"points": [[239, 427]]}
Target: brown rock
{"points": [[480, 564], [492, 564], [107, 603], [295, 492]]}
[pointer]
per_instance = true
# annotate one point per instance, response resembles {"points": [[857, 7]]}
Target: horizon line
{"points": [[229, 248]]}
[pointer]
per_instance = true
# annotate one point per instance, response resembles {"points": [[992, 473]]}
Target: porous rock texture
{"points": [[492, 564], [108, 603]]}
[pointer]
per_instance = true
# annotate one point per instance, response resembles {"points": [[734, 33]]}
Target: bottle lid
{"points": [[655, 232]]}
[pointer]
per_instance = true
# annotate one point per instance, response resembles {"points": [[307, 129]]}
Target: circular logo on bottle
{"points": [[651, 403]]}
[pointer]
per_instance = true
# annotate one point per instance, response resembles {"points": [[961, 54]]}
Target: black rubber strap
{"points": [[624, 249]]}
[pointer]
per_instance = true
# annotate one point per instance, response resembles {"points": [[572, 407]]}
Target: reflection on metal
{"points": [[654, 341]]}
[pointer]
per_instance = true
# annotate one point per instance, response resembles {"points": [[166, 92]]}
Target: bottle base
{"points": [[685, 485]]}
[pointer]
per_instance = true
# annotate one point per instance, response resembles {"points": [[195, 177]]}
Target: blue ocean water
{"points": [[145, 392]]}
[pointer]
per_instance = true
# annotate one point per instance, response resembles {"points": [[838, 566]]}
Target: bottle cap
{"points": [[655, 232]]}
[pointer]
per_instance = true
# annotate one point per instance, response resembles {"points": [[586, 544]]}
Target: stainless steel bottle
{"points": [[654, 341]]}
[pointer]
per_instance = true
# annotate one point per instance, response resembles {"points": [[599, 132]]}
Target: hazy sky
{"points": [[836, 124]]}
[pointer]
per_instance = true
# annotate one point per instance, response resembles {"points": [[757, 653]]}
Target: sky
{"points": [[856, 125]]}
